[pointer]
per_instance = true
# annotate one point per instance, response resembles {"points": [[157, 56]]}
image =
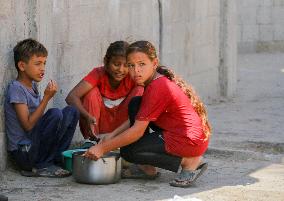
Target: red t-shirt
{"points": [[98, 77], [165, 104]]}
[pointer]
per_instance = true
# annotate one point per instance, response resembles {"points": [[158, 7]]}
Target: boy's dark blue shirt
{"points": [[18, 93]]}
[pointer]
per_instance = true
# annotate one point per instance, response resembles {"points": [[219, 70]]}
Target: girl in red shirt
{"points": [[172, 110], [102, 97]]}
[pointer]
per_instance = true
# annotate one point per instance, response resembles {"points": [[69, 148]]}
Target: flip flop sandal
{"points": [[187, 178], [52, 171], [134, 172], [60, 173], [26, 173]]}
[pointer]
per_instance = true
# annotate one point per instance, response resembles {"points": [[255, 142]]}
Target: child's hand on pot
{"points": [[94, 153]]}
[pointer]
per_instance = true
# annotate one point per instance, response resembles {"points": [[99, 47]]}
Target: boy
{"points": [[36, 139]]}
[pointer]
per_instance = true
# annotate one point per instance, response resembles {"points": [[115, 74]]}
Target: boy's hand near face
{"points": [[50, 89], [27, 119]]}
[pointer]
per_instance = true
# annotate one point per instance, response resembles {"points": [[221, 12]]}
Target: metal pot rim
{"points": [[108, 155]]}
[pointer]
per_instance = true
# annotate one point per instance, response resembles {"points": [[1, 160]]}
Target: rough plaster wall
{"points": [[261, 25], [16, 22], [190, 42]]}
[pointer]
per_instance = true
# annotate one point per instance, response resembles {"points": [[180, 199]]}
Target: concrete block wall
{"points": [[190, 42], [260, 25], [187, 35]]}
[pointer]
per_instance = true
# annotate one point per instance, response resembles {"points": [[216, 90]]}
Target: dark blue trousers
{"points": [[51, 135]]}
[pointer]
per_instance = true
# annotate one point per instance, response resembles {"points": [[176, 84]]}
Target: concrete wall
{"points": [[190, 42], [77, 33], [228, 48], [15, 25], [261, 25]]}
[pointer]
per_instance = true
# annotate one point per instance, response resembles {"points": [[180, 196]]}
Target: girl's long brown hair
{"points": [[147, 48]]}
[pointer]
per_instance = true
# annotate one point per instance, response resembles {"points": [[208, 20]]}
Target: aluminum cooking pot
{"points": [[106, 170]]}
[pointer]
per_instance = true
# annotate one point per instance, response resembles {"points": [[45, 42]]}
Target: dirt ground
{"points": [[245, 156]]}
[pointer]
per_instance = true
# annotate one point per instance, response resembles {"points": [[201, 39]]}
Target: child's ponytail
{"points": [[197, 104]]}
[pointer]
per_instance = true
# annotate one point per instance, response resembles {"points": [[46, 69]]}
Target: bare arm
{"points": [[121, 128], [75, 98], [127, 137], [75, 95], [125, 125], [28, 120]]}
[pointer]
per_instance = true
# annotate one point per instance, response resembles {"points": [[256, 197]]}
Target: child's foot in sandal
{"points": [[134, 172], [52, 171], [187, 178], [26, 173]]}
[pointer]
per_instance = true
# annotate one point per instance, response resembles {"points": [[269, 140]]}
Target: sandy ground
{"points": [[246, 154]]}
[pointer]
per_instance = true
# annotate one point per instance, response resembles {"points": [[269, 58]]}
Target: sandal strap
{"points": [[61, 172], [187, 175], [186, 178], [52, 171]]}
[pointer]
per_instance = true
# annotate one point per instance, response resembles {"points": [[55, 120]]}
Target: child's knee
{"points": [[127, 153], [137, 91], [92, 99], [71, 110], [93, 93], [55, 114]]}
